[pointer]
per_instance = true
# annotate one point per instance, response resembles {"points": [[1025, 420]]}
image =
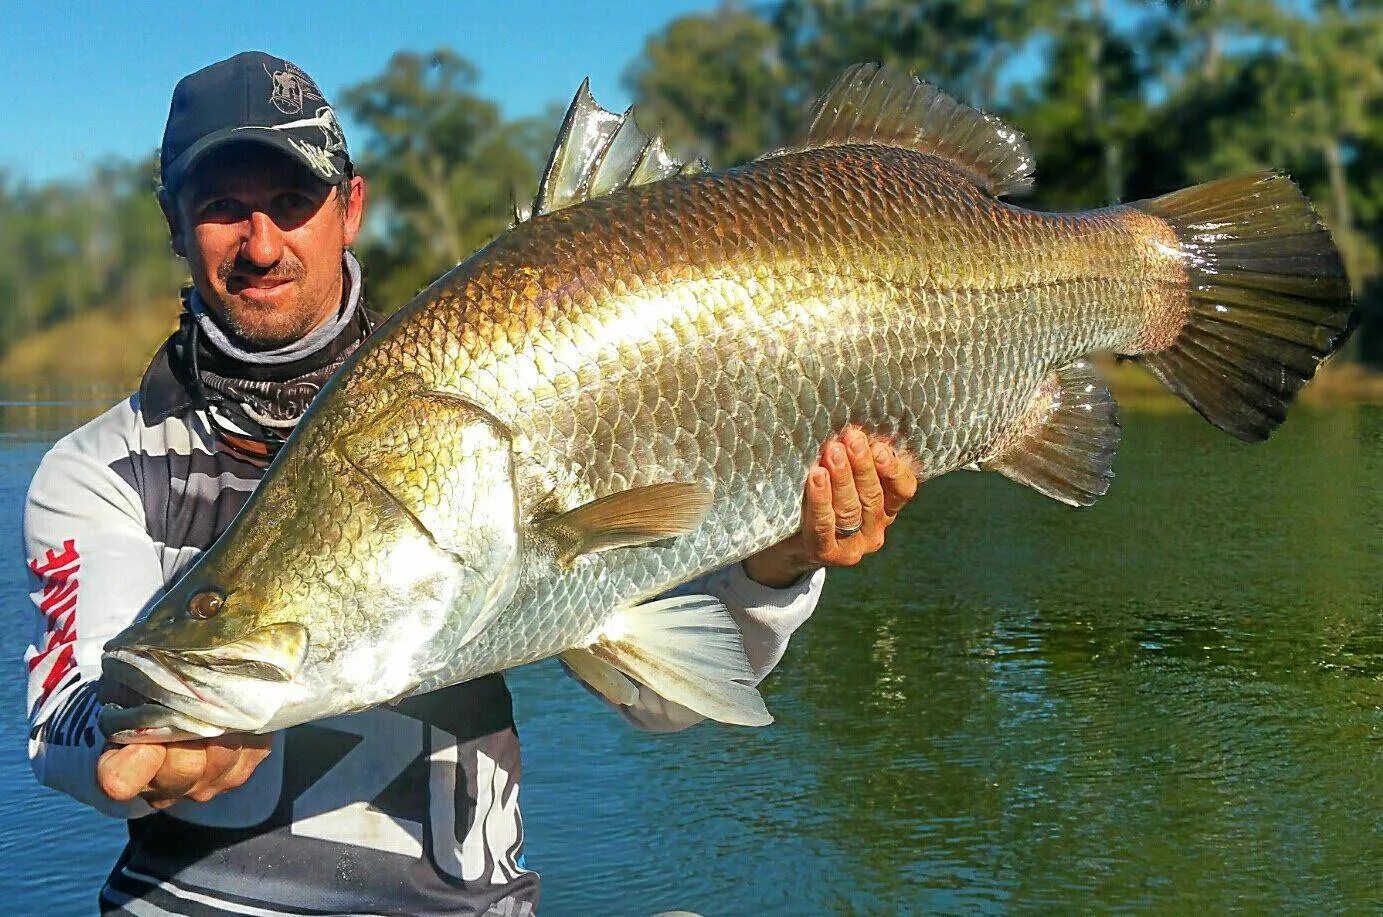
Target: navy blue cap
{"points": [[258, 98]]}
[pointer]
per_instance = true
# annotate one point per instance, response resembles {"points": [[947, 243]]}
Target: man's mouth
{"points": [[258, 288]]}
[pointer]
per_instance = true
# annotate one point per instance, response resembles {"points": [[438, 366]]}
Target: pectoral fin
{"points": [[627, 518], [688, 650], [1064, 444]]}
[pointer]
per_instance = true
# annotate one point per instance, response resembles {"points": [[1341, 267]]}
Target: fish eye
{"points": [[206, 604]]}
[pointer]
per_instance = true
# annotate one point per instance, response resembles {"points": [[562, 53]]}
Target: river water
{"points": [[1173, 700]]}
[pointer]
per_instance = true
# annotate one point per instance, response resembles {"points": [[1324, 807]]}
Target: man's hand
{"points": [[164, 774], [198, 769], [852, 495]]}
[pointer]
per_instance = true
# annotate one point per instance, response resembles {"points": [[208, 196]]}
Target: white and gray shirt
{"points": [[407, 809]]}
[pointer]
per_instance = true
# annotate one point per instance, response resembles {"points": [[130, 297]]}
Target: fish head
{"points": [[205, 661], [373, 550]]}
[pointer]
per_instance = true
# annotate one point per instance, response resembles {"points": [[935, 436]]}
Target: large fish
{"points": [[627, 389]]}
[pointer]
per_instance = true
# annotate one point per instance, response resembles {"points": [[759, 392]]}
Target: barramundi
{"points": [[627, 388]]}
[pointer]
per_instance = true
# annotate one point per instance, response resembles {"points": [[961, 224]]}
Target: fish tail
{"points": [[1267, 299]]}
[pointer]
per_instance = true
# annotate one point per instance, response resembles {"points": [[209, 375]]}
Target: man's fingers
{"points": [[220, 759], [251, 752], [181, 770], [165, 774], [896, 477], [818, 519], [868, 490], [124, 772], [845, 500], [245, 764]]}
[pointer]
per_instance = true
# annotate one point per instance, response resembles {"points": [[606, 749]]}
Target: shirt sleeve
{"points": [[767, 617], [92, 568]]}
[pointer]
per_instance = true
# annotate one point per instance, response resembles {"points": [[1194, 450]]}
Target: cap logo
{"points": [[289, 87], [319, 157]]}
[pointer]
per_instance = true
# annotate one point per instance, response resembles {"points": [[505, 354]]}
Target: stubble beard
{"points": [[260, 327]]}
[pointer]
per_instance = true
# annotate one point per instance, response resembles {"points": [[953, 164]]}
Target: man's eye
{"points": [[219, 207], [293, 202]]}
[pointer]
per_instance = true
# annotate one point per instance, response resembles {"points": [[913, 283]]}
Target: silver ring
{"points": [[846, 533]]}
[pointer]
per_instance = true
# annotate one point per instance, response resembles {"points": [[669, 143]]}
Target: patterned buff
{"points": [[256, 398]]}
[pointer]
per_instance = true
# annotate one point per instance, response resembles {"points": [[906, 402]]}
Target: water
{"points": [[1173, 700]]}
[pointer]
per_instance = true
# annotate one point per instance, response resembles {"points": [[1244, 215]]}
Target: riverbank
{"points": [[97, 347]]}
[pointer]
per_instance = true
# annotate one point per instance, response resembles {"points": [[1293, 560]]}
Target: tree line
{"points": [[1118, 100]]}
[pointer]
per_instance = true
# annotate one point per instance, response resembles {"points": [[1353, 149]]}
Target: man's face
{"points": [[264, 239]]}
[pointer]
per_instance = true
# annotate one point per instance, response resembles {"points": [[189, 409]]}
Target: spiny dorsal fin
{"points": [[1064, 444], [873, 104], [598, 151]]}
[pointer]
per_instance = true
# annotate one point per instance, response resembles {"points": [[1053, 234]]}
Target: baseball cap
{"points": [[258, 98]]}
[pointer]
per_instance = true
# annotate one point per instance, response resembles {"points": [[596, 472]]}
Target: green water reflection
{"points": [[1176, 692]]}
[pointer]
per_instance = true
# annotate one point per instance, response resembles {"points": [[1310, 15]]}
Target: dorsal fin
{"points": [[598, 151], [873, 104]]}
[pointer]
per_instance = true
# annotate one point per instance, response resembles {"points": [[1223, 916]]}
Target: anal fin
{"points": [[1064, 444], [688, 650]]}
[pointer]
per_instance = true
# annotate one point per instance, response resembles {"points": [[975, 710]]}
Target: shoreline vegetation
{"points": [[104, 349]]}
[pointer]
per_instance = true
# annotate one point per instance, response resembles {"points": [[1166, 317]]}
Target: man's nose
{"points": [[263, 245]]}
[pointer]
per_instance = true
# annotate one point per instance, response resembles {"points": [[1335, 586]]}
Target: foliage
{"points": [[66, 248], [714, 84], [1120, 99], [442, 165]]}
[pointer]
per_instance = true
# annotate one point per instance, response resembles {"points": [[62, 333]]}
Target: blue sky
{"points": [[86, 80]]}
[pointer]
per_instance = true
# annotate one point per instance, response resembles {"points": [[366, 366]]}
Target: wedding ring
{"points": [[846, 533]]}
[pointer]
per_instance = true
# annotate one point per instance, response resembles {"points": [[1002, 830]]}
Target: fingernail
{"points": [[857, 443], [835, 454], [818, 478]]}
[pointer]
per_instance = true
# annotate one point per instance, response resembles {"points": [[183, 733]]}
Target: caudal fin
{"points": [[1269, 300]]}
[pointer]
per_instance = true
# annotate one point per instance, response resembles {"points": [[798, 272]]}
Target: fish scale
{"points": [[626, 390]]}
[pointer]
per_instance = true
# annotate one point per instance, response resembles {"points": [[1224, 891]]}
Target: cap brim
{"points": [[324, 168]]}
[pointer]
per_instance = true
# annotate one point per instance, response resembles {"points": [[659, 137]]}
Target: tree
{"points": [[67, 247], [714, 85], [443, 167], [732, 83]]}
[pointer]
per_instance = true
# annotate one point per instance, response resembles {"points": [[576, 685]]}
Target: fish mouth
{"points": [[236, 686], [151, 723]]}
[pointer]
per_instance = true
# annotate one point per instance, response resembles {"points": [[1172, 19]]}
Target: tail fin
{"points": [[1269, 300]]}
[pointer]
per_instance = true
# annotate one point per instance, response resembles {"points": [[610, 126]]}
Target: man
{"points": [[410, 808]]}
